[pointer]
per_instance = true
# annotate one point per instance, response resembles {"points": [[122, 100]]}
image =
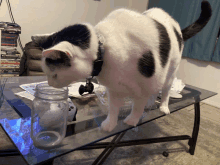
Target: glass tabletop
{"points": [[86, 129]]}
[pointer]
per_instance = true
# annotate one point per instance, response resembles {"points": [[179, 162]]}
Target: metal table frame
{"points": [[110, 146]]}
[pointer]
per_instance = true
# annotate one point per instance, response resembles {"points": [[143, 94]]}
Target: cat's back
{"points": [[121, 13], [127, 27], [162, 17], [123, 18]]}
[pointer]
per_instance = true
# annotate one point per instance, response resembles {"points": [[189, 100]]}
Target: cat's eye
{"points": [[54, 76]]}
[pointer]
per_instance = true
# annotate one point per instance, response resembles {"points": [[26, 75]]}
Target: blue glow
{"points": [[19, 131]]}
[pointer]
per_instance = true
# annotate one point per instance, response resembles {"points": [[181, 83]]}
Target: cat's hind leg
{"points": [[165, 91], [137, 110], [115, 102]]}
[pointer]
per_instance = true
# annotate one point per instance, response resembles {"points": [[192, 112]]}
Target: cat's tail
{"points": [[199, 24]]}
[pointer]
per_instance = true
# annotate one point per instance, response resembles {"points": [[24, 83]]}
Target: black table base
{"points": [[109, 146]]}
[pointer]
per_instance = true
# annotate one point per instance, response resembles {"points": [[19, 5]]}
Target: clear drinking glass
{"points": [[49, 116]]}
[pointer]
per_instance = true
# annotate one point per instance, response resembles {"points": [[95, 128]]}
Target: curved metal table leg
{"points": [[193, 140]]}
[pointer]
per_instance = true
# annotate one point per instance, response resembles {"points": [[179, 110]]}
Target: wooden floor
{"points": [[207, 150]]}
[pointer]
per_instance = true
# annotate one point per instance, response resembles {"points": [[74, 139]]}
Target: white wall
{"points": [[46, 16], [201, 74]]}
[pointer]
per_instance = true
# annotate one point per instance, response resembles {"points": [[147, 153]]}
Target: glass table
{"points": [[85, 132]]}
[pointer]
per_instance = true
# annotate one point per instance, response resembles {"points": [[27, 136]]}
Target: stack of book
{"points": [[10, 57]]}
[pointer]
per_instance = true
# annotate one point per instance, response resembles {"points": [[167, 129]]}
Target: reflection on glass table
{"points": [[85, 131]]}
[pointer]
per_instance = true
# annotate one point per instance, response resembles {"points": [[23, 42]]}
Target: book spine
{"points": [[11, 43], [10, 62], [15, 56], [3, 44], [4, 34], [11, 70], [10, 31], [9, 40], [9, 75], [9, 66], [9, 36]]}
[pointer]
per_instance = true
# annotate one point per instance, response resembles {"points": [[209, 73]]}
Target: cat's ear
{"points": [[44, 41]]}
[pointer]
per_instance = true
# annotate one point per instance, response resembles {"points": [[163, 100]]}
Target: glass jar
{"points": [[49, 116]]}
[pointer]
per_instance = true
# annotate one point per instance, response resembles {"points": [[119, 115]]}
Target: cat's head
{"points": [[68, 54]]}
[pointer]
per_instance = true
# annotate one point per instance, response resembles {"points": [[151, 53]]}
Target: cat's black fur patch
{"points": [[57, 59], [146, 64], [164, 44], [179, 38], [78, 35]]}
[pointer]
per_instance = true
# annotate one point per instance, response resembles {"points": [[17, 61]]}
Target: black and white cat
{"points": [[142, 53]]}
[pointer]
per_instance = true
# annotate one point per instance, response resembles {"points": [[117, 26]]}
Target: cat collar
{"points": [[97, 64]]}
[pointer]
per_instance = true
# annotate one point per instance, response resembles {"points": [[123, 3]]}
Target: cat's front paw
{"points": [[131, 120], [108, 125], [165, 110]]}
